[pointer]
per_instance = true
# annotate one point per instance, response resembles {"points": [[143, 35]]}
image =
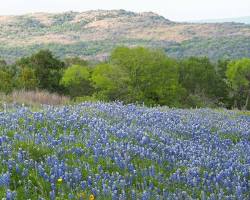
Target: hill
{"points": [[93, 34], [245, 20]]}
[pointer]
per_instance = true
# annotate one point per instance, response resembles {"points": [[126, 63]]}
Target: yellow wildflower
{"points": [[91, 197], [81, 195], [59, 180]]}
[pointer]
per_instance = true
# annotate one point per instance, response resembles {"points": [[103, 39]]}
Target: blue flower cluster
{"points": [[116, 151]]}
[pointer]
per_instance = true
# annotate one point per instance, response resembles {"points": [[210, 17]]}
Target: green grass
{"points": [[36, 152], [234, 137]]}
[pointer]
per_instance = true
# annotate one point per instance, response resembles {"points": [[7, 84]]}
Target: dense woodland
{"points": [[134, 75]]}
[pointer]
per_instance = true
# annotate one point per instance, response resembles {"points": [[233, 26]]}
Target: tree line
{"points": [[134, 75]]}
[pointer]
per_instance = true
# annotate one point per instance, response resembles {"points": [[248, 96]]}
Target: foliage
{"points": [[5, 82], [27, 79], [221, 68], [77, 80], [214, 48], [134, 75], [47, 69], [152, 77], [238, 74], [110, 82], [198, 76], [75, 61], [233, 48]]}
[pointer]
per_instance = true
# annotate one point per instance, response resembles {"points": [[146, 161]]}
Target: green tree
{"points": [[221, 68], [110, 82], [222, 90], [47, 69], [198, 76], [152, 76], [6, 82], [77, 80], [27, 79], [238, 74], [9, 76]]}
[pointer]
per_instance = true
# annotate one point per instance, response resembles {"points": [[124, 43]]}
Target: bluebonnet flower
{"points": [[52, 195], [129, 151], [10, 195], [5, 179]]}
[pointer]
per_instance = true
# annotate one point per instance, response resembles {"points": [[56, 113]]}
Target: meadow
{"points": [[115, 151]]}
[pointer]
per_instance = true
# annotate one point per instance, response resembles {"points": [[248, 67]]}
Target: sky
{"points": [[177, 10]]}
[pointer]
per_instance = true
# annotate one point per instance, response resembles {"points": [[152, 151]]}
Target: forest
{"points": [[134, 75]]}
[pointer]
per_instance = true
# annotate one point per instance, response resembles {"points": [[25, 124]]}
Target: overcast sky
{"points": [[179, 10]]}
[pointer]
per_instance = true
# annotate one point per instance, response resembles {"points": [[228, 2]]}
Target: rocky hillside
{"points": [[93, 34]]}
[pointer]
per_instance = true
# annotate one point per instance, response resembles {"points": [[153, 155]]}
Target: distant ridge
{"points": [[93, 34], [245, 20]]}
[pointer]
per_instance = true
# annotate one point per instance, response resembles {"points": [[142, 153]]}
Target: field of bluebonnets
{"points": [[112, 151]]}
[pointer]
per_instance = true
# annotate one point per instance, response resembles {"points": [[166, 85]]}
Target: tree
{"points": [[77, 80], [110, 82], [47, 69], [8, 76], [6, 85], [238, 74], [152, 77], [221, 68], [27, 79], [198, 76], [222, 89]]}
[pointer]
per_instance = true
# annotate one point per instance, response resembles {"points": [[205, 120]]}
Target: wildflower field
{"points": [[112, 151]]}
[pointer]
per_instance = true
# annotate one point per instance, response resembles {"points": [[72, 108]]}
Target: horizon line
{"points": [[77, 11]]}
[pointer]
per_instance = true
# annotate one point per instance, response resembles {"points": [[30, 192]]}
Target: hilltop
{"points": [[93, 34]]}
